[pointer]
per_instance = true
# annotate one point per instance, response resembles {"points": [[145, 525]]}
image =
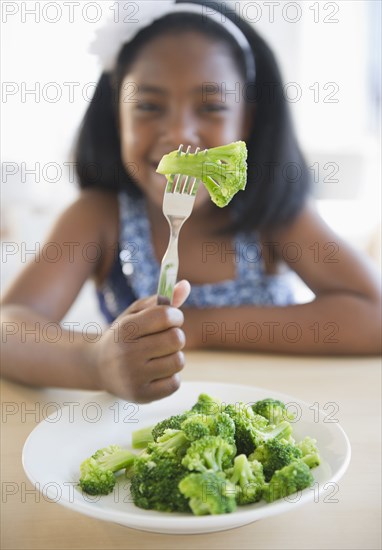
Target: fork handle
{"points": [[168, 272]]}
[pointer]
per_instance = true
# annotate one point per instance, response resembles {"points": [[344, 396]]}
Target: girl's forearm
{"points": [[332, 325], [39, 352]]}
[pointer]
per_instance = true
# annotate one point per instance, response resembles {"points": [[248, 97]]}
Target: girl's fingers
{"points": [[181, 292], [161, 388], [141, 304], [164, 367], [150, 318], [149, 322], [162, 343]]}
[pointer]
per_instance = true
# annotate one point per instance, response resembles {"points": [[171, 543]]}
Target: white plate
{"points": [[56, 447]]}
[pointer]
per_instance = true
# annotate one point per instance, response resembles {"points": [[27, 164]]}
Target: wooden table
{"points": [[29, 521]]}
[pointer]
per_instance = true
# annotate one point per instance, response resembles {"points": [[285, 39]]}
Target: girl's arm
{"points": [[41, 295], [138, 359], [344, 317]]}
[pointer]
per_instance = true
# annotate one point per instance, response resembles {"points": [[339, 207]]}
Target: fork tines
{"points": [[181, 183]]}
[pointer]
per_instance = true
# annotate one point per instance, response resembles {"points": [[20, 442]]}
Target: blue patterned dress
{"points": [[135, 271]]}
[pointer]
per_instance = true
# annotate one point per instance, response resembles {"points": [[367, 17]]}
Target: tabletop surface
{"points": [[351, 522]]}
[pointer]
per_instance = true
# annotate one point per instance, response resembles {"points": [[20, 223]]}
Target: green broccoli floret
{"points": [[207, 405], [208, 493], [208, 459], [171, 442], [274, 454], [173, 423], [224, 426], [209, 453], [223, 170], [248, 477], [280, 431], [274, 410], [199, 425], [154, 483], [253, 429], [309, 450], [293, 477], [245, 420], [98, 471], [141, 438]]}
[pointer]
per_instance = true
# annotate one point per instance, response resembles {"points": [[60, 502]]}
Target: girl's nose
{"points": [[181, 127]]}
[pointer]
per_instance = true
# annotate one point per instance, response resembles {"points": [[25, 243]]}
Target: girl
{"points": [[187, 72]]}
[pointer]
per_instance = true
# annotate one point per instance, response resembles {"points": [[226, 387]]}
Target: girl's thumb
{"points": [[182, 290]]}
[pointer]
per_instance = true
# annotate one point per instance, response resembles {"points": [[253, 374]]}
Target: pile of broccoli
{"points": [[209, 459], [223, 169]]}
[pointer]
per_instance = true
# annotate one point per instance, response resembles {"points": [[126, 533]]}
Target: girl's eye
{"points": [[213, 108], [148, 107]]}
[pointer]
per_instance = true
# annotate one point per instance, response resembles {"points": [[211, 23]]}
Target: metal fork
{"points": [[178, 201]]}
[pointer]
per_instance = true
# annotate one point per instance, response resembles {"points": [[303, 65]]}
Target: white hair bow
{"points": [[130, 17], [127, 20]]}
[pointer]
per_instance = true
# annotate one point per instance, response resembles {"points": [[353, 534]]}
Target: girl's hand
{"points": [[139, 357]]}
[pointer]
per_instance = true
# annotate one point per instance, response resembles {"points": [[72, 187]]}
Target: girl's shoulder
{"points": [[96, 214], [97, 198], [97, 211], [91, 217]]}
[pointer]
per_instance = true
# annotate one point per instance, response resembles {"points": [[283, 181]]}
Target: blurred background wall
{"points": [[329, 54]]}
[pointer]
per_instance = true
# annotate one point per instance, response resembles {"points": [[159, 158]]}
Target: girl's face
{"points": [[182, 88]]}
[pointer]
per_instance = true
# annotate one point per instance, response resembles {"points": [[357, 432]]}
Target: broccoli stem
{"points": [[177, 440], [117, 461], [312, 460], [274, 432], [141, 438], [242, 472]]}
